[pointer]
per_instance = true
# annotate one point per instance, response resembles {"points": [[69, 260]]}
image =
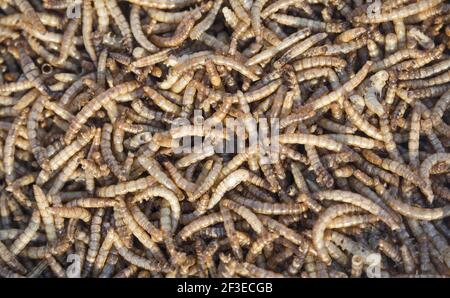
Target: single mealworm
{"points": [[71, 212], [9, 147], [360, 201], [155, 170], [321, 224], [165, 193], [31, 16], [32, 73], [425, 168], [47, 217], [316, 26]]}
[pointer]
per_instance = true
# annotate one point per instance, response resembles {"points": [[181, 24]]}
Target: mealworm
{"points": [[47, 218], [167, 195], [360, 201], [154, 169], [317, 26], [425, 170]]}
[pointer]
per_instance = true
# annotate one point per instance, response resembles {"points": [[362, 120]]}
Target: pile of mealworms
{"points": [[352, 94]]}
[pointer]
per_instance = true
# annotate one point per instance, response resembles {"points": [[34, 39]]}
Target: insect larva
{"points": [[67, 152], [315, 26], [250, 270], [360, 122], [152, 59], [323, 177], [136, 29], [154, 169], [336, 253], [141, 262], [388, 138], [198, 224], [165, 193], [414, 135], [397, 57], [165, 221], [345, 171], [143, 113], [142, 220], [286, 43], [425, 41], [125, 187], [298, 49], [10, 259], [9, 146], [317, 72], [28, 234], [231, 231], [408, 262], [161, 101], [348, 244], [357, 266], [47, 218], [65, 173], [425, 168], [86, 29], [339, 93], [177, 177], [227, 184], [71, 212], [121, 22], [258, 245], [106, 150], [318, 61], [16, 86], [181, 33], [283, 230], [425, 72], [194, 157], [354, 140], [94, 242], [389, 250], [255, 19], [350, 35], [103, 252], [67, 40], [437, 240], [360, 201], [395, 167], [127, 272], [322, 223], [390, 44], [32, 17], [245, 213], [352, 220], [313, 140], [91, 203], [271, 208], [207, 22], [333, 49]]}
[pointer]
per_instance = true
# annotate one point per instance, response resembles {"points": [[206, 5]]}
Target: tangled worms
{"points": [[224, 138]]}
